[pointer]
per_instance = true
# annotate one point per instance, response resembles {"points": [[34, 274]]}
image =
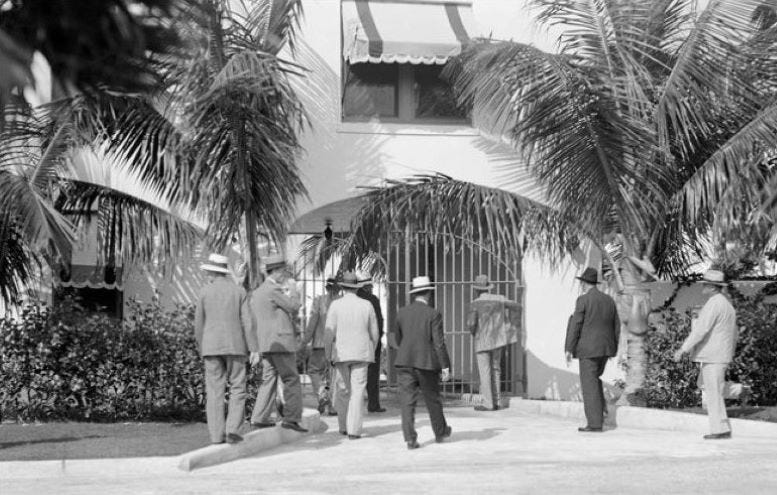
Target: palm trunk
{"points": [[633, 308]]}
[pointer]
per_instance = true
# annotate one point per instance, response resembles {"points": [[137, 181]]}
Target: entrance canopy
{"points": [[405, 31]]}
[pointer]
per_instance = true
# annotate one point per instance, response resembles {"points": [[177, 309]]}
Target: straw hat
{"points": [[216, 263], [350, 281], [482, 283], [714, 277], [421, 284], [274, 261]]}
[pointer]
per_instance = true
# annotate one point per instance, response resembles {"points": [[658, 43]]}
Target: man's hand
{"points": [[678, 355], [255, 358], [568, 356], [446, 374]]}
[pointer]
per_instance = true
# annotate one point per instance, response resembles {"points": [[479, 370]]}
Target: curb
{"points": [[644, 418], [253, 443]]}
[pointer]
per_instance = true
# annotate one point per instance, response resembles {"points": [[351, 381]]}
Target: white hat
{"points": [[421, 284], [216, 263], [350, 281], [274, 261], [363, 278], [714, 277]]}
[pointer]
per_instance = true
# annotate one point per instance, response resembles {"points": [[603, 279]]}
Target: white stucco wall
{"points": [[341, 157]]}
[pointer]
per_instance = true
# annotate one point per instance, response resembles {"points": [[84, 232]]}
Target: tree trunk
{"points": [[634, 307]]}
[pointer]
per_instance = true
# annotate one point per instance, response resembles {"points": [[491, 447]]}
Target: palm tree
{"points": [[215, 140], [649, 128], [52, 182], [223, 133], [91, 46]]}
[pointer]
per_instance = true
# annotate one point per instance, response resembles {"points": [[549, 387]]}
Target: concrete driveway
{"points": [[496, 452]]}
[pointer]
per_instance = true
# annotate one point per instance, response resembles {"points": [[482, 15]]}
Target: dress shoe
{"points": [[444, 435], [234, 438], [412, 445], [269, 424], [718, 436], [292, 425], [343, 432], [217, 442], [483, 408], [354, 437], [332, 412], [377, 410], [590, 429]]}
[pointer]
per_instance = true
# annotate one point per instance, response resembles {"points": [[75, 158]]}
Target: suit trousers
{"points": [[591, 370], [712, 380], [490, 372], [349, 398], [373, 380], [412, 382], [318, 370], [276, 365], [220, 370]]}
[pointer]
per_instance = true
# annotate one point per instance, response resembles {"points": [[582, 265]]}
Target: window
{"points": [[399, 93]]}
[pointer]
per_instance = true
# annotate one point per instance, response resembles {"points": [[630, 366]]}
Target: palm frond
{"points": [[504, 223]]}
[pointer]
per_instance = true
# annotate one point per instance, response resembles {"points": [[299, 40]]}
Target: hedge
{"points": [[673, 385]]}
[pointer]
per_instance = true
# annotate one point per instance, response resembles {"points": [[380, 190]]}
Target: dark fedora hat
{"points": [[590, 275]]}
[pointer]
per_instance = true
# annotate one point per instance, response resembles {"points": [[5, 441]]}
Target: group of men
{"points": [[592, 338], [345, 334]]}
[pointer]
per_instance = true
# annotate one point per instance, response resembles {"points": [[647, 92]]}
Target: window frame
{"points": [[405, 102]]}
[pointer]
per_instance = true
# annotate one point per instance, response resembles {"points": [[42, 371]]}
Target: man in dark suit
{"points": [[421, 357], [592, 338], [373, 370]]}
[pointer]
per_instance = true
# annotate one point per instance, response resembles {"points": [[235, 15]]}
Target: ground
{"points": [[493, 452]]}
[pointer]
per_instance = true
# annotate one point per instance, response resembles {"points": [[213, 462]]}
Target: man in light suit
{"points": [[421, 357], [222, 327], [274, 311], [494, 323], [711, 343], [592, 338], [352, 328]]}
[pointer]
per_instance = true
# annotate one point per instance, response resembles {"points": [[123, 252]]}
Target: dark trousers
{"points": [[591, 370], [412, 382], [373, 381]]}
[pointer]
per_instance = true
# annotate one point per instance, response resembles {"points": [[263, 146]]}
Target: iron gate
{"points": [[452, 263]]}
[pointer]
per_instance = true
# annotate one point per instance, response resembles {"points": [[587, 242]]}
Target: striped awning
{"points": [[405, 31]]}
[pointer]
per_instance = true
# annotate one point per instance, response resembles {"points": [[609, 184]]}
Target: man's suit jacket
{"points": [[274, 314], [420, 339], [222, 320], [594, 327], [351, 326]]}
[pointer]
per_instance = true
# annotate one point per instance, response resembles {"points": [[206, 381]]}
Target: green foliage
{"points": [[60, 363], [673, 385]]}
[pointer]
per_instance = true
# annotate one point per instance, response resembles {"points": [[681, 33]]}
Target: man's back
{"points": [[273, 311], [420, 339], [352, 322], [222, 320], [594, 327]]}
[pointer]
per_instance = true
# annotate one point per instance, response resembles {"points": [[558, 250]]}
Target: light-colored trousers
{"points": [[490, 372], [712, 382], [351, 386], [220, 370]]}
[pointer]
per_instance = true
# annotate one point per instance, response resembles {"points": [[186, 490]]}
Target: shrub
{"points": [[669, 384], [64, 363]]}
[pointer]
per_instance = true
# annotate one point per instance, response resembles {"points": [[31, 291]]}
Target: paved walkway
{"points": [[500, 452]]}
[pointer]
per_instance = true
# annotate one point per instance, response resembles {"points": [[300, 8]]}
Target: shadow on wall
{"points": [[547, 382], [342, 161]]}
